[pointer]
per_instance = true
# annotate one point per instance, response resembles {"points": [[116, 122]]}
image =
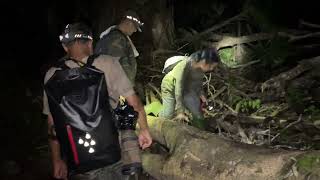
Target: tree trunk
{"points": [[163, 26], [195, 154]]}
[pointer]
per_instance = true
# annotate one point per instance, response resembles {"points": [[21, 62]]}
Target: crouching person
{"points": [[181, 88]]}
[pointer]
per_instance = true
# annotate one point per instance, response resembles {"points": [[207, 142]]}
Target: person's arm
{"points": [[135, 102], [203, 96], [145, 139], [60, 170], [179, 72], [129, 66], [121, 85], [203, 99]]}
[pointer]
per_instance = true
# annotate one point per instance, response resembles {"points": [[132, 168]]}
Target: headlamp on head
{"points": [[74, 31], [135, 20], [68, 37], [134, 17]]}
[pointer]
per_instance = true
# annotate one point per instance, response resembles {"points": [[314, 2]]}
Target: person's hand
{"points": [[204, 103], [204, 99], [60, 170], [145, 139], [181, 117]]}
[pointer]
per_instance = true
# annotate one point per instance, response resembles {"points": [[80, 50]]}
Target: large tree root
{"points": [[276, 84], [197, 155]]}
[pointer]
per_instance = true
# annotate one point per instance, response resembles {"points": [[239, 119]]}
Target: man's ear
{"points": [[89, 43], [65, 48]]}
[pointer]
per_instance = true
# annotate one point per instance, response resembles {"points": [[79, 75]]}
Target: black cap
{"points": [[133, 16], [75, 31]]}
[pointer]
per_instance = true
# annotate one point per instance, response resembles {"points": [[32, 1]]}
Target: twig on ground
{"points": [[218, 92], [227, 106], [285, 128], [154, 88]]}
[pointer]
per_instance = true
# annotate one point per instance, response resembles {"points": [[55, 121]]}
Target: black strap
{"points": [[91, 59], [61, 63]]}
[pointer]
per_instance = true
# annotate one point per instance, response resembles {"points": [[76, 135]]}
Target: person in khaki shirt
{"points": [[79, 48], [116, 41]]}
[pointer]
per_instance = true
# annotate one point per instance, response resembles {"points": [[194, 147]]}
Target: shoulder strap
{"points": [[91, 59], [61, 63]]}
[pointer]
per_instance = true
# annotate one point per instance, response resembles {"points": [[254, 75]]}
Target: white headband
{"points": [[135, 19], [67, 37]]}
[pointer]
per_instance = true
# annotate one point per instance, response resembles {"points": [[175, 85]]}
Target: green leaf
{"points": [[153, 108], [238, 106]]}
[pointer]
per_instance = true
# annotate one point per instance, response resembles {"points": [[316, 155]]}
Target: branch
{"points": [[191, 38], [293, 38], [154, 88], [303, 22], [277, 81], [226, 41], [218, 92], [225, 105], [289, 125], [316, 34]]}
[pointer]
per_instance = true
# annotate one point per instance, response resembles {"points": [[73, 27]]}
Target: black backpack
{"points": [[83, 119]]}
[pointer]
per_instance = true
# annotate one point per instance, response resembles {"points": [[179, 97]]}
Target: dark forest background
{"points": [[30, 43]]}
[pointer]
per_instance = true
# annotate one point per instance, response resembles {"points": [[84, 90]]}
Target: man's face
{"points": [[83, 48], [86, 47], [90, 47], [131, 28]]}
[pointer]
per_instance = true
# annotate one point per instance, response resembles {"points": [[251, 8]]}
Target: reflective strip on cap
{"points": [[71, 36], [135, 19]]}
